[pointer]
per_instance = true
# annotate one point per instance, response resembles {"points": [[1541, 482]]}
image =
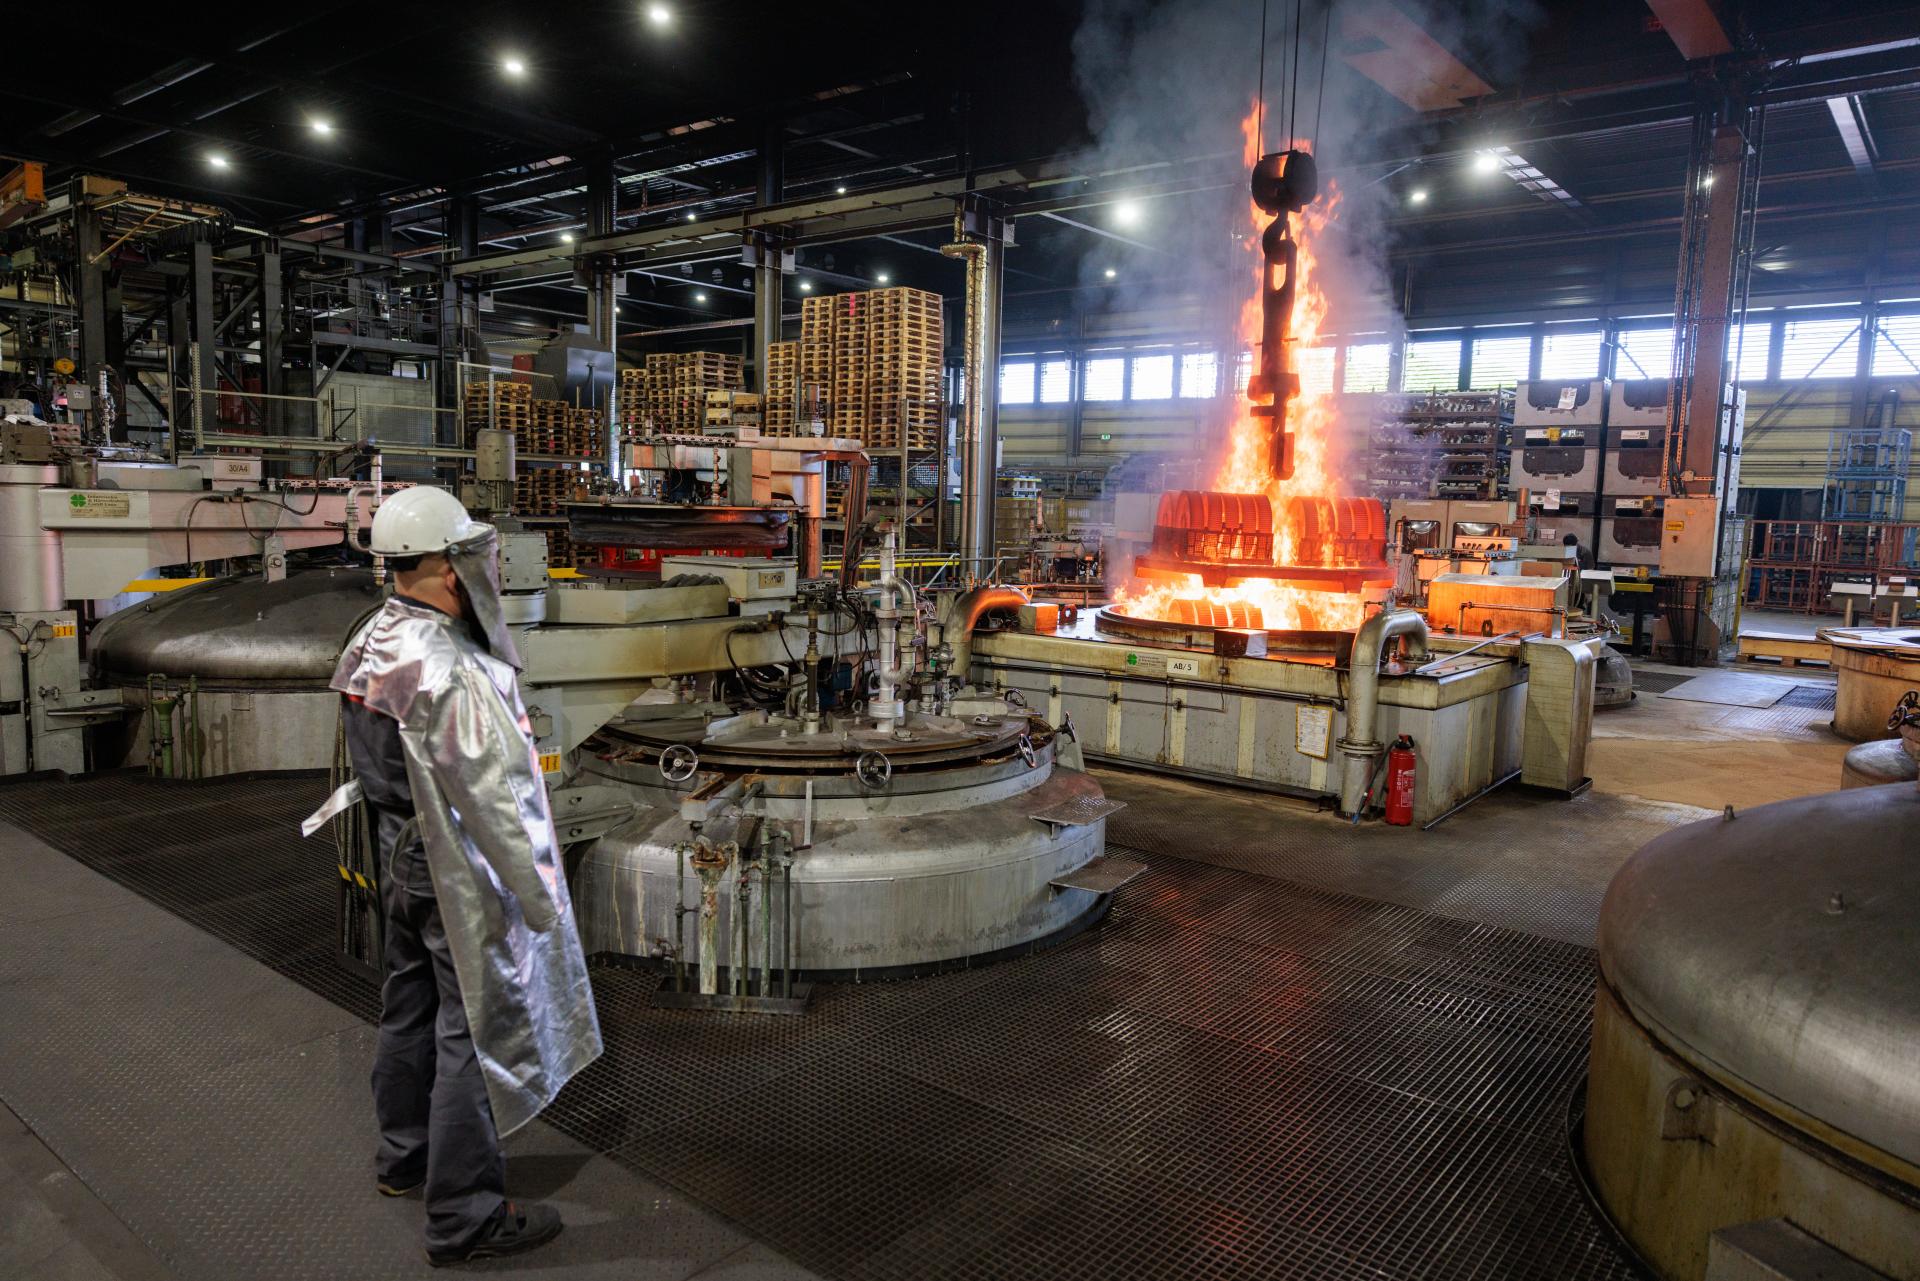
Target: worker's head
{"points": [[1571, 540], [442, 557], [430, 579]]}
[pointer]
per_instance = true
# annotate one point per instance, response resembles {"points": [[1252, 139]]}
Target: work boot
{"points": [[516, 1227], [400, 1186]]}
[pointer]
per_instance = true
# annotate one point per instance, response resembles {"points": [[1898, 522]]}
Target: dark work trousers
{"points": [[428, 1094]]}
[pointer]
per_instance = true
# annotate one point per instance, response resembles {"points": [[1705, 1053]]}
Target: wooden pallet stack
{"points": [[498, 403], [904, 342], [545, 432], [816, 348], [782, 388], [632, 399], [847, 393], [674, 389], [586, 433], [540, 491], [560, 551]]}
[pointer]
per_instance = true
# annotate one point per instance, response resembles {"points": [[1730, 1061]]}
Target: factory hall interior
{"points": [[692, 640]]}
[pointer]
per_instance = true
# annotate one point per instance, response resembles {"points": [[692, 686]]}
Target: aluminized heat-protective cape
{"points": [[491, 848]]}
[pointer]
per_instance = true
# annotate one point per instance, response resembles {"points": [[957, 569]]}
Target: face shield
{"points": [[476, 563]]}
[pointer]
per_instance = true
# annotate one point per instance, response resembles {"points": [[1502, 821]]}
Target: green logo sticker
{"points": [[1133, 660], [77, 500]]}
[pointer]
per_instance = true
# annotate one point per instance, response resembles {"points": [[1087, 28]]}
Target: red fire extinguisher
{"points": [[1400, 767]]}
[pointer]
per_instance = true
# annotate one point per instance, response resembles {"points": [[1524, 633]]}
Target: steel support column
{"points": [[459, 315], [101, 344], [273, 339], [202, 343], [595, 271], [766, 251], [979, 241]]}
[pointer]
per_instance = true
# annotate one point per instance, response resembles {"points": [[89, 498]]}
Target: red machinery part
{"points": [[1335, 531], [1205, 613], [1205, 525], [1401, 766]]}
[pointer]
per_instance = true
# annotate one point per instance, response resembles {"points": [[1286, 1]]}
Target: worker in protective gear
{"points": [[486, 1010]]}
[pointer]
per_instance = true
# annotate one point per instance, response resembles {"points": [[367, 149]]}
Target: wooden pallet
{"points": [[1784, 649]]}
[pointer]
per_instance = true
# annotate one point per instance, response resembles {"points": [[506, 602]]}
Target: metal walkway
{"points": [[1236, 1076]]}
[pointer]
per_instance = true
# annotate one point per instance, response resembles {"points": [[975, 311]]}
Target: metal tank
{"points": [[31, 579], [245, 662], [1754, 1036], [926, 845]]}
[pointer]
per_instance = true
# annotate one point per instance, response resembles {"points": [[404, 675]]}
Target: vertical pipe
{"points": [[786, 917], [768, 286]]}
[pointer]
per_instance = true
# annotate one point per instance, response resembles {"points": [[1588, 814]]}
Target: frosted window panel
{"points": [[1367, 367], [1106, 378], [1570, 354], [1056, 381], [1501, 362], [1199, 374], [1016, 383], [1153, 377], [1896, 347], [1644, 353], [1819, 348], [1433, 365]]}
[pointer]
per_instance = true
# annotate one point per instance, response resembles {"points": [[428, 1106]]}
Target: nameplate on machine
{"points": [[99, 505], [1312, 730]]}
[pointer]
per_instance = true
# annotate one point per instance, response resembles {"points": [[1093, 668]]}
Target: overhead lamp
{"points": [[883, 277], [699, 297], [841, 190], [217, 160], [616, 309], [1418, 196], [1126, 213], [566, 237], [1111, 273], [659, 15], [806, 286], [1486, 162], [692, 216], [513, 66], [320, 126]]}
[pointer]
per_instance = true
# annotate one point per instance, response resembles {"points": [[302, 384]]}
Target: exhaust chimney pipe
{"points": [[1361, 745]]}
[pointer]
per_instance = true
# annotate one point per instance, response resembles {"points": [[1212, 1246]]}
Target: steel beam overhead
{"points": [[1850, 120]]}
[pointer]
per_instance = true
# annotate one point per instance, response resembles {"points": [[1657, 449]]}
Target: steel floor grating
{"points": [[1235, 1076]]}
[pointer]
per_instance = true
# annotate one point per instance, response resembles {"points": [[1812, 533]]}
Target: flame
{"points": [[1312, 416]]}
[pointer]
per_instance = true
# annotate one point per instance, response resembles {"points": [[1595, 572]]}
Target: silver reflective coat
{"points": [[490, 846]]}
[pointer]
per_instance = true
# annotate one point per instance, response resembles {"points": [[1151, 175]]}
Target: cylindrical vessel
{"points": [[1878, 763], [1758, 1008], [30, 575], [259, 655], [944, 861], [1873, 667]]}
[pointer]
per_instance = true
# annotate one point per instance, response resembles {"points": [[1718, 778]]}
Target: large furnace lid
{"points": [[240, 629], [1778, 952]]}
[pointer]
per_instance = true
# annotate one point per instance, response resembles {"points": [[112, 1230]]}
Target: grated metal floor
{"points": [[1236, 1076]]}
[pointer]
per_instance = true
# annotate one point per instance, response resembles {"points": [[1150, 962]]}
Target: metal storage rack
{"points": [[1449, 444], [1867, 474]]}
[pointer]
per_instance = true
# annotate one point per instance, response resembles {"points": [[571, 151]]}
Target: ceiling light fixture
{"points": [[566, 237], [513, 66], [659, 15], [1486, 162], [883, 277], [840, 190], [692, 216], [217, 160], [806, 286], [1418, 196], [1111, 273], [320, 126], [1126, 213], [699, 297]]}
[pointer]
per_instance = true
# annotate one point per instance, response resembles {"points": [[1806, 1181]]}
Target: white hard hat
{"points": [[419, 521]]}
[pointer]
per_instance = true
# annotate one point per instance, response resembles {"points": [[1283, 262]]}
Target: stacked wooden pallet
{"points": [[847, 393], [816, 349], [904, 341], [586, 434], [495, 403], [560, 550], [670, 393], [542, 490], [782, 388], [545, 430]]}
